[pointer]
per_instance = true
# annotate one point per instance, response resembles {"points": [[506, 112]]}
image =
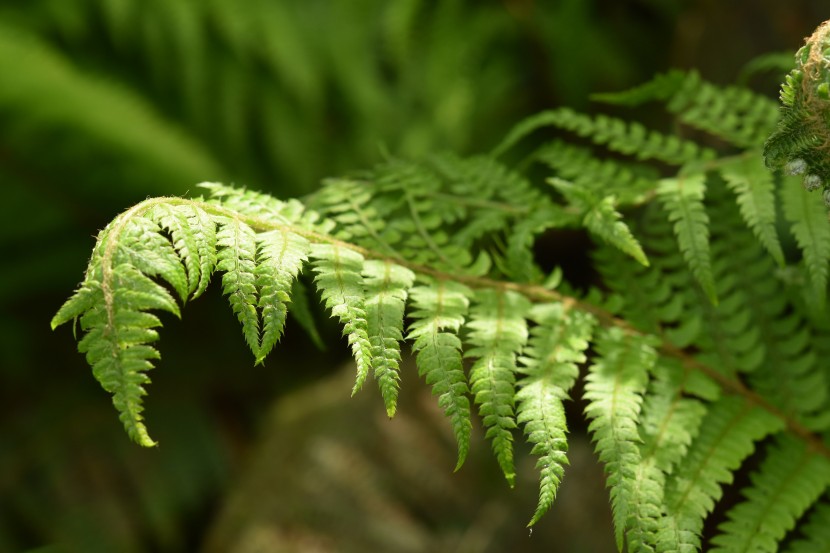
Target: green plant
{"points": [[701, 342]]}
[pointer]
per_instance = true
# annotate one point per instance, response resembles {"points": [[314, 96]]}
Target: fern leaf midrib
{"points": [[530, 291]]}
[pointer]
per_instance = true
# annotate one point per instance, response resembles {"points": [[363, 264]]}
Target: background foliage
{"points": [[106, 102]]}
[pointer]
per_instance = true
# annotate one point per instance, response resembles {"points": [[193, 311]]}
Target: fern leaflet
{"points": [[683, 200], [614, 388], [497, 333], [280, 257], [340, 284], [438, 311], [237, 249], [549, 365], [386, 290], [752, 184]]}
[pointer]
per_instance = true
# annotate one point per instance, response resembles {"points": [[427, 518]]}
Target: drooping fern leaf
{"points": [[497, 333], [438, 312], [615, 387], [386, 290], [280, 257], [338, 278], [549, 367], [236, 257]]}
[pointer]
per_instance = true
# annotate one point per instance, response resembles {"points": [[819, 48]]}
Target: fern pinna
{"points": [[701, 348]]}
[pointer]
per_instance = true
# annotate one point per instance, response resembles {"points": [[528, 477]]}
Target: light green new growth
{"points": [[497, 333], [701, 339], [339, 280], [438, 311]]}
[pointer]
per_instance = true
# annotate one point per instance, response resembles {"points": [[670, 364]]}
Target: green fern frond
{"points": [[733, 113], [113, 305], [280, 256], [727, 436], [790, 479], [338, 278], [497, 331], [631, 183], [753, 185], [618, 135], [549, 367], [438, 311], [811, 228], [614, 388], [236, 257], [682, 198], [386, 290], [601, 218]]}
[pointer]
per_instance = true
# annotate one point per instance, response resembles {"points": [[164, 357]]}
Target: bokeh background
{"points": [[106, 102]]}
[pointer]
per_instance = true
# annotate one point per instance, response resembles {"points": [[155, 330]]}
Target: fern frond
{"points": [[809, 224], [339, 280], [497, 332], [549, 368], [614, 389], [236, 257], [631, 183], [438, 311], [113, 305], [280, 256], [682, 198], [790, 479], [733, 113], [616, 134], [752, 184], [601, 218], [386, 290], [727, 436], [194, 236]]}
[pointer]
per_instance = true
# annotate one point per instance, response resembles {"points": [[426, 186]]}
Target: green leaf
{"points": [[752, 183], [438, 310], [338, 278], [386, 290], [682, 197], [237, 259], [497, 333], [550, 361], [615, 386], [280, 257]]}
